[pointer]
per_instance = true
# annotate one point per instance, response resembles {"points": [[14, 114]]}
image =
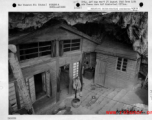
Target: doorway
{"points": [[64, 81], [100, 72], [40, 88]]}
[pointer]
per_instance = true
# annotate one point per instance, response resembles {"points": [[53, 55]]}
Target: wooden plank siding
{"points": [[114, 77], [34, 61], [53, 78], [12, 96], [22, 104], [34, 66], [15, 97], [31, 88]]}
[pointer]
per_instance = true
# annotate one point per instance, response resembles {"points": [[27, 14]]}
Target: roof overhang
{"points": [[34, 35]]}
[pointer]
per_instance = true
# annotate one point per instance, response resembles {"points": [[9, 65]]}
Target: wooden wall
{"points": [[53, 79], [31, 88], [36, 66], [12, 96], [68, 58], [15, 97], [115, 78], [71, 57]]}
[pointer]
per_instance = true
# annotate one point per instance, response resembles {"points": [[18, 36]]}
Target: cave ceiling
{"points": [[128, 27]]}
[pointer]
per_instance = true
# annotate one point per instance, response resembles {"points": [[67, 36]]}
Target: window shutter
{"points": [[48, 83]]}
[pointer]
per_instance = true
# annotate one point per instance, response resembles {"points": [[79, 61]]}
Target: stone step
{"points": [[97, 103], [103, 90], [120, 94], [107, 91], [81, 110], [99, 89], [102, 104], [118, 89], [89, 97], [118, 106], [92, 101], [85, 95], [112, 94], [107, 107]]}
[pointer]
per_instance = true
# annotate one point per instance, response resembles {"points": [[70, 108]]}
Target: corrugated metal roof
{"points": [[110, 46]]}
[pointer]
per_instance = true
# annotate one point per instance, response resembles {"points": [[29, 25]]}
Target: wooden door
{"points": [[48, 83], [44, 81], [32, 89], [100, 72]]}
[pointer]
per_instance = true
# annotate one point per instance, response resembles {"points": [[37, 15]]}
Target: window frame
{"points": [[123, 63], [71, 47], [38, 51]]}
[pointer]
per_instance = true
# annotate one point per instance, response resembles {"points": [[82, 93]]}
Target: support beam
{"points": [[57, 72], [17, 95], [14, 63], [71, 77], [81, 70]]}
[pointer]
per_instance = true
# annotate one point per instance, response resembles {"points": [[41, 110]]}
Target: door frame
{"points": [[99, 72], [59, 80], [27, 80]]}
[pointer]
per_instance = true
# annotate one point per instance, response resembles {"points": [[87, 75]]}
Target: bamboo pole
{"points": [[14, 63]]}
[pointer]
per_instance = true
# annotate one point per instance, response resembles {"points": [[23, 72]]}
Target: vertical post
{"points": [[81, 67], [17, 95], [71, 77], [14, 63], [57, 70]]}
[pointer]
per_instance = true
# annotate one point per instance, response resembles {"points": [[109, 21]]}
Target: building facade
{"points": [[117, 64], [43, 55]]}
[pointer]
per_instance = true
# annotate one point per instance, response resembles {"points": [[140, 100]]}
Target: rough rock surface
{"points": [[130, 27]]}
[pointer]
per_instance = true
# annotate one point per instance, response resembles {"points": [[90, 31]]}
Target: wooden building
{"points": [[117, 65], [52, 56], [43, 56]]}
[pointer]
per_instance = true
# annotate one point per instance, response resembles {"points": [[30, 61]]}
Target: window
{"points": [[71, 45], [32, 50], [75, 69], [122, 64]]}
